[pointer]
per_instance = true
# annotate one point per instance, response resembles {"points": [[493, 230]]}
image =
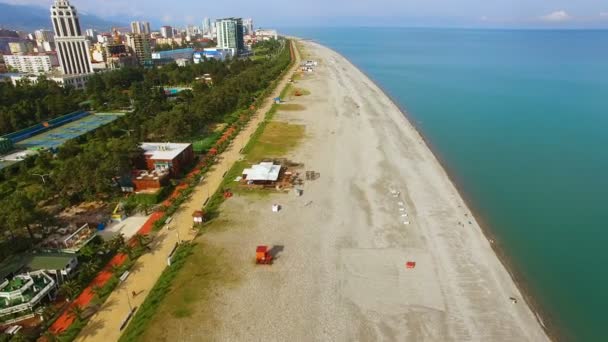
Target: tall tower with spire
{"points": [[72, 46]]}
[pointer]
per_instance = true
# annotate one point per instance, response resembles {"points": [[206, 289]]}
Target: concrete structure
{"points": [[91, 34], [166, 31], [168, 156], [44, 36], [21, 47], [34, 64], [142, 27], [173, 55], [206, 26], [140, 45], [212, 53], [72, 46], [230, 34], [248, 26]]}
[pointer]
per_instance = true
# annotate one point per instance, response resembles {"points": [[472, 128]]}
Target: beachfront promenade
{"points": [[104, 325], [379, 247]]}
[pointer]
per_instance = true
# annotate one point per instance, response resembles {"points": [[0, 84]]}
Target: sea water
{"points": [[520, 120]]}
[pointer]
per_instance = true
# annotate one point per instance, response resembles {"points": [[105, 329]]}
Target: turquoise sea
{"points": [[520, 120]]}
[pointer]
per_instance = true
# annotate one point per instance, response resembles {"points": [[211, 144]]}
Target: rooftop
{"points": [[163, 151], [34, 262], [266, 171]]}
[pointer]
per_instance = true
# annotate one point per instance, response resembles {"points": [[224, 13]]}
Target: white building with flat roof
{"points": [[32, 64]]}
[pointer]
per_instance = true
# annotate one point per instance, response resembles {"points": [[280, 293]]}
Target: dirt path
{"points": [[104, 325]]}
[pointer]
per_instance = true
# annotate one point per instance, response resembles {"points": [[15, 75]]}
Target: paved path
{"points": [[104, 325]]}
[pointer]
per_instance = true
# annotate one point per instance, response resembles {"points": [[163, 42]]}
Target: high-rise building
{"points": [[166, 32], [206, 26], [91, 33], [192, 30], [72, 46], [135, 27], [140, 27], [44, 36], [230, 34], [248, 26], [140, 44]]}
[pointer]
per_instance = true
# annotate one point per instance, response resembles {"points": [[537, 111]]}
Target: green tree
{"points": [[69, 289], [20, 212]]}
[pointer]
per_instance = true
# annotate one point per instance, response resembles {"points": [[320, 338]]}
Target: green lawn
{"points": [[205, 269], [277, 139]]}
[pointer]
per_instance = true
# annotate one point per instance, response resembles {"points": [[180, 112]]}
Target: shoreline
{"points": [[542, 316]]}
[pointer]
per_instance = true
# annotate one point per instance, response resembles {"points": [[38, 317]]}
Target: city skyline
{"points": [[465, 13]]}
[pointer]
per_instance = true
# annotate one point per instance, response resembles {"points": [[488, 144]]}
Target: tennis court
{"points": [[55, 137]]}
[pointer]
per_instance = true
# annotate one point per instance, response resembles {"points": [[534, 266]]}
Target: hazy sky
{"points": [[473, 13]]}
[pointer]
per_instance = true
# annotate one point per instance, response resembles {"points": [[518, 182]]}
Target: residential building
{"points": [[5, 40], [230, 34], [140, 27], [140, 45], [206, 26], [166, 31], [44, 36], [91, 34], [72, 46], [248, 26], [135, 27], [34, 64], [21, 47]]}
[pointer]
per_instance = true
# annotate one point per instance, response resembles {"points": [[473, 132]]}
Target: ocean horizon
{"points": [[518, 119]]}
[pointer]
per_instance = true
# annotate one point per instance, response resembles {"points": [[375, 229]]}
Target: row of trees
{"points": [[27, 104], [88, 167]]}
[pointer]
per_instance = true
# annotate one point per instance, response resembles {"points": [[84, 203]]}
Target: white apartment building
{"points": [[32, 64]]}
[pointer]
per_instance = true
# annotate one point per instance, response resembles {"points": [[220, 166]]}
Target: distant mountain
{"points": [[30, 18]]}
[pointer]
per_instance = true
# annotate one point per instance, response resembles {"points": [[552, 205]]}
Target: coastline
{"points": [[542, 316], [372, 249]]}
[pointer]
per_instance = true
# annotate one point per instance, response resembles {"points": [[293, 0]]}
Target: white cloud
{"points": [[557, 16], [604, 15]]}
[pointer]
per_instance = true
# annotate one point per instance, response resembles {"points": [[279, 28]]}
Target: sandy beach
{"points": [[382, 200]]}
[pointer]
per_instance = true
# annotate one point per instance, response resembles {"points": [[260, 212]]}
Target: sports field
{"points": [[55, 137]]}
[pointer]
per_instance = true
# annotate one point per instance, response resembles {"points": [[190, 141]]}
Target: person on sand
{"points": [[134, 293]]}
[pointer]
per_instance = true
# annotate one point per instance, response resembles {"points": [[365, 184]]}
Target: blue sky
{"points": [[462, 13]]}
